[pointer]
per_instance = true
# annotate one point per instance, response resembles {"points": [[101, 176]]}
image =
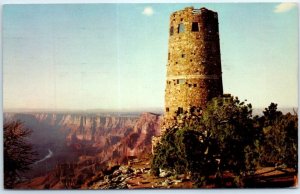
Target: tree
{"points": [[271, 114], [279, 140], [220, 139], [229, 123], [18, 153], [186, 151], [225, 137]]}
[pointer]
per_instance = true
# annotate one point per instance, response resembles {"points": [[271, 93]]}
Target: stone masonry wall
{"points": [[194, 73]]}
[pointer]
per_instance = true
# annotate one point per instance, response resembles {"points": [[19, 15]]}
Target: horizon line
{"points": [[108, 110], [82, 110]]}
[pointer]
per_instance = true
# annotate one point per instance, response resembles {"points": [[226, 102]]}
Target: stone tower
{"points": [[194, 74]]}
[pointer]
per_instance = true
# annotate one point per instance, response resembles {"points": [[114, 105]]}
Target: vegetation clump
{"points": [[225, 137], [18, 152]]}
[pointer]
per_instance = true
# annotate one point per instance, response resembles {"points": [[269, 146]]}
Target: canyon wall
{"points": [[107, 138]]}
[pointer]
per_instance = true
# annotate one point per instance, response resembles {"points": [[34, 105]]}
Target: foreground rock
{"points": [[137, 175]]}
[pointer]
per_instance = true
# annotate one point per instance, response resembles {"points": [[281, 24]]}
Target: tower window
{"points": [[180, 110], [171, 30], [195, 27], [180, 27], [181, 81], [167, 109], [183, 55]]}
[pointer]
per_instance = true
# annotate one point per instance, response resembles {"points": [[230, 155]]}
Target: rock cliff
{"points": [[109, 138]]}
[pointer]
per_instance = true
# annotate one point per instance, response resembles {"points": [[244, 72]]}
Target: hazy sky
{"points": [[114, 56]]}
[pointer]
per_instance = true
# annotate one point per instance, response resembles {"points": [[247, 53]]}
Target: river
{"points": [[49, 155]]}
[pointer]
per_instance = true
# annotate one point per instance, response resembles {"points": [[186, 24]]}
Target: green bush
{"points": [[225, 137], [185, 151], [279, 142], [230, 125]]}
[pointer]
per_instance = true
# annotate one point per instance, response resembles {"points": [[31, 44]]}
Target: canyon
{"points": [[76, 138]]}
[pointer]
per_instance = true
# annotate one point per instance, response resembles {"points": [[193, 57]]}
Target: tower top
{"points": [[193, 10]]}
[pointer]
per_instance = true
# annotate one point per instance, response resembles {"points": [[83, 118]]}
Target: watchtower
{"points": [[194, 74]]}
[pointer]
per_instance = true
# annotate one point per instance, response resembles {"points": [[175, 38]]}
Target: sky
{"points": [[114, 56]]}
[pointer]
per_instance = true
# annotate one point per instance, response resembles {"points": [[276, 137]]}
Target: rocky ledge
{"points": [[136, 175]]}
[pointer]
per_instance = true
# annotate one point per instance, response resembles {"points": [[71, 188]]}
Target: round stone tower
{"points": [[194, 74]]}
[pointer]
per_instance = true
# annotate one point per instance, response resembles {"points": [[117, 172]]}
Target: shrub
{"points": [[18, 153]]}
